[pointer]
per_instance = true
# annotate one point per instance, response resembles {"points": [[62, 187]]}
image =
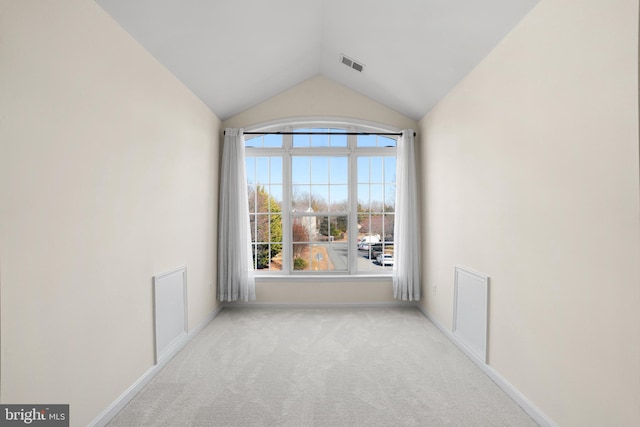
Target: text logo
{"points": [[34, 415]]}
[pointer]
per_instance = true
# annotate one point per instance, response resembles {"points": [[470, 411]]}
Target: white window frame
{"points": [[287, 151]]}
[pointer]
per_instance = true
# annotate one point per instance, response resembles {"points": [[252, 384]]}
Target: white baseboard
{"points": [[532, 410], [126, 397], [319, 305]]}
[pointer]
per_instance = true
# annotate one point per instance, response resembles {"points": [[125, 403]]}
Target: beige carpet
{"points": [[321, 367]]}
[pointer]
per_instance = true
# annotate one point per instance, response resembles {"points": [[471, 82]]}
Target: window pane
{"points": [[267, 234], [319, 170], [319, 195], [319, 258], [326, 226], [376, 195], [339, 255], [276, 260], [261, 199], [373, 242], [266, 201], [366, 141], [252, 225], [365, 243], [250, 166], [310, 224], [389, 169], [300, 170], [376, 175], [390, 198], [363, 197], [276, 170], [267, 256], [262, 170], [382, 256], [302, 140], [320, 140], [384, 141], [319, 243], [300, 246], [341, 227], [301, 256], [300, 198], [262, 228], [253, 140], [300, 231], [364, 222], [376, 141], [376, 201], [388, 228], [319, 198], [251, 193], [363, 169], [338, 140], [338, 198], [339, 167], [373, 226], [275, 228], [273, 140], [259, 141], [276, 194]]}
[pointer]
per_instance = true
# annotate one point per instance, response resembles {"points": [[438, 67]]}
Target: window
{"points": [[321, 201], [265, 188]]}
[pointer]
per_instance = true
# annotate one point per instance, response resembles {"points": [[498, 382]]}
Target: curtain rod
{"points": [[326, 133]]}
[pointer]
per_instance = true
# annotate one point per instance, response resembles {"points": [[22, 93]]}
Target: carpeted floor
{"points": [[321, 367]]}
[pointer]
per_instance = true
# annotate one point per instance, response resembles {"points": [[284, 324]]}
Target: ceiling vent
{"points": [[351, 63]]}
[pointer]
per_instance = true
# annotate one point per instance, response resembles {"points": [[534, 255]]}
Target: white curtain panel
{"points": [[406, 268], [235, 272]]}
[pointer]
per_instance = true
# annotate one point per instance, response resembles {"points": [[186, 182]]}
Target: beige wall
{"points": [[352, 291], [320, 97], [530, 173], [108, 175], [317, 98]]}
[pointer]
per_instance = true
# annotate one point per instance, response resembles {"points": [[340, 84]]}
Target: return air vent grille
{"points": [[351, 63]]}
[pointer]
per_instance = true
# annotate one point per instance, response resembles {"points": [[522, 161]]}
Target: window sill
{"points": [[363, 278]]}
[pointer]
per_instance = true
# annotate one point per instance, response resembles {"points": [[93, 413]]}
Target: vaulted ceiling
{"points": [[234, 54]]}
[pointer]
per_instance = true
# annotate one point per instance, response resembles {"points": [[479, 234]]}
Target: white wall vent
{"points": [[351, 63], [170, 311], [471, 311]]}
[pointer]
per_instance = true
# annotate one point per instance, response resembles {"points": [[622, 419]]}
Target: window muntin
{"points": [[340, 193]]}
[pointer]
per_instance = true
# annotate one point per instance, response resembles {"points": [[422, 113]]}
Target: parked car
{"points": [[367, 241], [378, 248], [385, 259]]}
